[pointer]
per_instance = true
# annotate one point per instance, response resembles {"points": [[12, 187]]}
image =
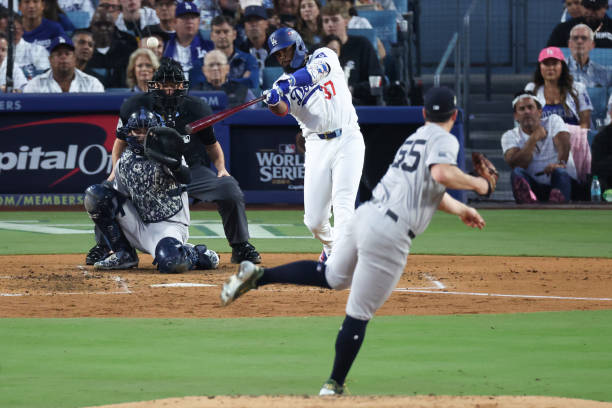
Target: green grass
{"points": [[77, 362], [573, 233]]}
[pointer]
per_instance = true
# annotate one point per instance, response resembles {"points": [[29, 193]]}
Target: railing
{"points": [[460, 44]]}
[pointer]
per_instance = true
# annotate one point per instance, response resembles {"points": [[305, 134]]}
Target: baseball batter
{"points": [[146, 207], [314, 90], [370, 257]]}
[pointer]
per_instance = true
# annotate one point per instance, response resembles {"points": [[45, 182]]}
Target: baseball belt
{"points": [[330, 135], [395, 218]]}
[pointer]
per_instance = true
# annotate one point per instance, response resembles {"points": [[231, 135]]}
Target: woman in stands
{"points": [[55, 13], [309, 23], [141, 66], [553, 83]]}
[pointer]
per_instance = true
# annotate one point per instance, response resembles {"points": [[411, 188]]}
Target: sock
{"points": [[309, 273], [348, 344]]}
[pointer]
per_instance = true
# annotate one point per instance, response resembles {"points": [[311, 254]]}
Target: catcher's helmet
{"points": [[285, 37], [140, 119]]}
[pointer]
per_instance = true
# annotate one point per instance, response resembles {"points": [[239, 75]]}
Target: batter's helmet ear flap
{"points": [[286, 37]]}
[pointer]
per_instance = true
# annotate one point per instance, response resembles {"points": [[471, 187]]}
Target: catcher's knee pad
{"points": [[171, 256], [101, 201]]}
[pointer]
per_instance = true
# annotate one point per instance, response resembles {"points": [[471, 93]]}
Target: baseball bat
{"points": [[200, 124]]}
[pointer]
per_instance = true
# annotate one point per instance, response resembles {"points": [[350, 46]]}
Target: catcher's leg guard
{"points": [[103, 204], [202, 257]]}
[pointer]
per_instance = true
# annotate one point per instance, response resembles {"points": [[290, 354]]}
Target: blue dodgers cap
{"points": [[440, 101], [60, 42], [186, 7]]}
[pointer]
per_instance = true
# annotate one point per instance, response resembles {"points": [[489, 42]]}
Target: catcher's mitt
{"points": [[164, 145], [485, 169]]}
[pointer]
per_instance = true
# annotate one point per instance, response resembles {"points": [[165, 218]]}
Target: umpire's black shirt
{"points": [[190, 108], [561, 34]]}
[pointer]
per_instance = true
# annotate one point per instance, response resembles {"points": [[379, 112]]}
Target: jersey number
{"points": [[414, 155], [328, 95]]}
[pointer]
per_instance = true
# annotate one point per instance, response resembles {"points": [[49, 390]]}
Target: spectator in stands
{"points": [[53, 12], [243, 66], [256, 29], [141, 67], [133, 17], [573, 9], [161, 36], [110, 6], [357, 56], [83, 51], [32, 59], [216, 70], [309, 23], [287, 11], [37, 29], [19, 80], [209, 9], [601, 155], [187, 46], [332, 42], [63, 75], [166, 12], [379, 5], [360, 23], [113, 49], [582, 69], [595, 17], [553, 84], [86, 6], [538, 151]]}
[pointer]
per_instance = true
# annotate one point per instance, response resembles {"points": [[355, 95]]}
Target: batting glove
{"points": [[272, 97], [283, 85]]}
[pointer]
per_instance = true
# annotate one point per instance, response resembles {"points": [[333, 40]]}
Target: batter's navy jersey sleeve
{"points": [[444, 149]]}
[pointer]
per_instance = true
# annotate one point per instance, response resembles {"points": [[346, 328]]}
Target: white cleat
{"points": [[240, 283], [331, 387]]}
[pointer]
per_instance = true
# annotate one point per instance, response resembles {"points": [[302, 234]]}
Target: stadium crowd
{"points": [[106, 41]]}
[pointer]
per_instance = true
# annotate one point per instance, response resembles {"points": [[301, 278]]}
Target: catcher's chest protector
{"points": [[155, 194]]}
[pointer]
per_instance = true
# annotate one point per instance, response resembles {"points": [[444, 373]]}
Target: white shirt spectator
{"points": [[148, 16], [31, 58], [358, 22], [579, 89], [44, 83], [19, 80], [78, 5], [545, 152]]}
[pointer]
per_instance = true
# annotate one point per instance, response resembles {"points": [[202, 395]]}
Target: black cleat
{"points": [[245, 252], [97, 253]]}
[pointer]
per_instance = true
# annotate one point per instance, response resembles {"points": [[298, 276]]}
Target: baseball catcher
{"points": [[146, 206], [485, 169]]}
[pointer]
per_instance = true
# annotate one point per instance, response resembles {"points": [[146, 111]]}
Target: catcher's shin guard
{"points": [[103, 203]]}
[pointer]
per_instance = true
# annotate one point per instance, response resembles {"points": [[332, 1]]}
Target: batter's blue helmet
{"points": [[285, 37]]}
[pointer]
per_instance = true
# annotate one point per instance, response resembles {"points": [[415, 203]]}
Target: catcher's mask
{"points": [[168, 85], [139, 121]]}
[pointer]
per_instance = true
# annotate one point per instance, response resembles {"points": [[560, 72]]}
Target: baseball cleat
{"points": [[240, 283], [97, 253], [331, 387], [122, 259], [245, 252]]}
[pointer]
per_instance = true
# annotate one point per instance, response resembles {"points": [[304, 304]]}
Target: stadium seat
{"points": [[383, 22], [271, 74], [602, 56], [80, 19], [117, 90], [368, 33], [599, 99]]}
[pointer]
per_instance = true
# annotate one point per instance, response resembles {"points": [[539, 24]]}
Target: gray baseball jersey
{"points": [[407, 187], [370, 257]]}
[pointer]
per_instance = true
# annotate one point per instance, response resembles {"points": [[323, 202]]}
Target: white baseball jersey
{"points": [[31, 58], [19, 80], [326, 105], [45, 83], [407, 188], [545, 152]]}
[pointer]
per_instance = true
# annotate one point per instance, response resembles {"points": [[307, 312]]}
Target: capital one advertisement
{"points": [[266, 158], [55, 154]]}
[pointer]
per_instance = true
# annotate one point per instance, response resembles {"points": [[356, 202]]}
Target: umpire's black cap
{"points": [[440, 101]]}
